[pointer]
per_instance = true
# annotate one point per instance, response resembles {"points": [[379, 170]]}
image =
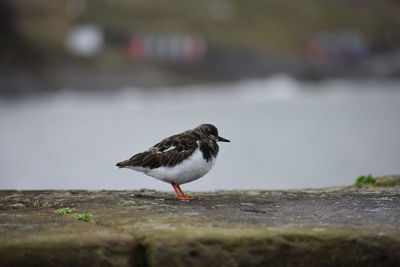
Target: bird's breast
{"points": [[192, 168]]}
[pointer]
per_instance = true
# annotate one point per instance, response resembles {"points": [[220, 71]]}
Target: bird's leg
{"points": [[183, 194], [179, 192]]}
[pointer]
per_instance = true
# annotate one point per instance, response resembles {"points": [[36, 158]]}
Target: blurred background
{"points": [[308, 92]]}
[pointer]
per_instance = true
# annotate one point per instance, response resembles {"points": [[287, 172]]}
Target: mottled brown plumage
{"points": [[174, 149], [168, 152]]}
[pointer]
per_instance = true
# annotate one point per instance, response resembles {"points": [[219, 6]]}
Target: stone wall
{"points": [[346, 226]]}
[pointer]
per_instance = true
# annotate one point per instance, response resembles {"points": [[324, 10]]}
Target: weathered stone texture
{"points": [[346, 226]]}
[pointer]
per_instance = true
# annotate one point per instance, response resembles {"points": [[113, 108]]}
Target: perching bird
{"points": [[180, 158]]}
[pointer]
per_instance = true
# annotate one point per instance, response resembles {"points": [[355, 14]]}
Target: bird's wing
{"points": [[169, 152]]}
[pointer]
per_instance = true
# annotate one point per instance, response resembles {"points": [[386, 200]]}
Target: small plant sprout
{"points": [[67, 211], [83, 217], [363, 180], [64, 211]]}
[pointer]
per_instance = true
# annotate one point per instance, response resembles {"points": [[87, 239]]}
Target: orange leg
{"points": [[179, 192], [183, 194]]}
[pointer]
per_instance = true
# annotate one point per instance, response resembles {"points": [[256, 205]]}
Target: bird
{"points": [[180, 158]]}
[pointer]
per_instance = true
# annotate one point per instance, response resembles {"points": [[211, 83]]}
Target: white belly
{"points": [[188, 170]]}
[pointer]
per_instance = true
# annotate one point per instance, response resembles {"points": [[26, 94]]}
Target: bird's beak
{"points": [[221, 139]]}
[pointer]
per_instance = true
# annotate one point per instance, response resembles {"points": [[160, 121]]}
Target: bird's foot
{"points": [[179, 192], [185, 198]]}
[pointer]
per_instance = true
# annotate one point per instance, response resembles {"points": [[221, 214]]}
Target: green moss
{"points": [[67, 211], [83, 217], [363, 180], [64, 211]]}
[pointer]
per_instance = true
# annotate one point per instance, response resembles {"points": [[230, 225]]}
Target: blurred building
{"points": [[84, 40], [165, 47], [50, 43], [336, 48]]}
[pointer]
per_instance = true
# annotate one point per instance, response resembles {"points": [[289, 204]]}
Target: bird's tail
{"points": [[122, 164], [136, 160]]}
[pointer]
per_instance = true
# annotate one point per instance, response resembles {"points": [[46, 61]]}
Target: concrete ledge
{"points": [[345, 226]]}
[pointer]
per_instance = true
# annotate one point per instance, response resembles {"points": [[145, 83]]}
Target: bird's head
{"points": [[211, 132]]}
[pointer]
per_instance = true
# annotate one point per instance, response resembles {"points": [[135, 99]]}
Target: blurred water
{"points": [[284, 133]]}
